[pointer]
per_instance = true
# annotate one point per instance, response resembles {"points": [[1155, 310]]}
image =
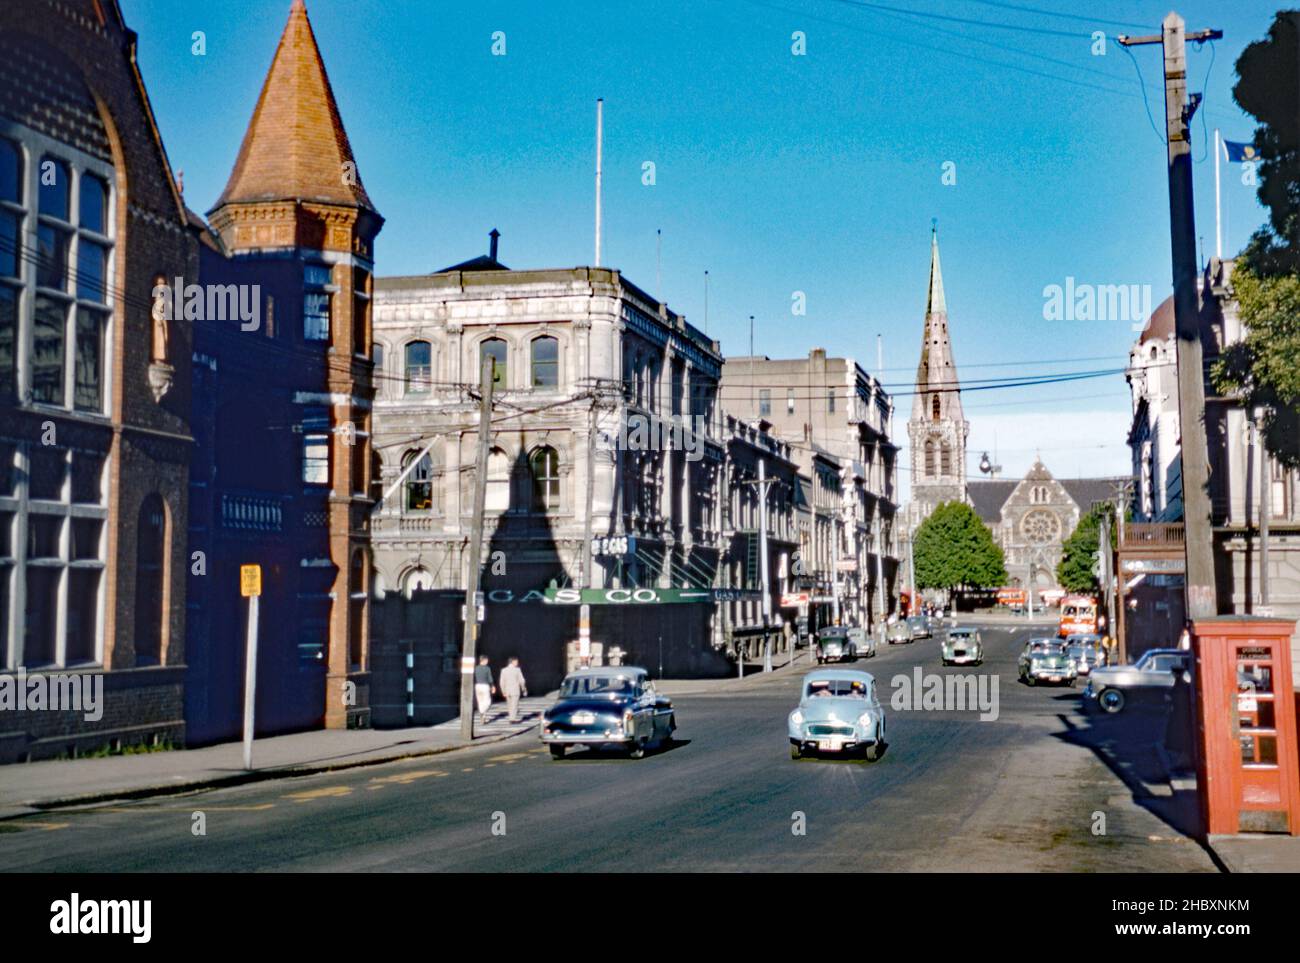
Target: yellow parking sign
{"points": [[250, 580]]}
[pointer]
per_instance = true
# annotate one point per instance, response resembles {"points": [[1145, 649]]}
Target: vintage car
{"points": [[1045, 660], [862, 641], [608, 707], [1087, 652], [835, 645], [963, 646], [898, 632], [920, 626], [838, 712], [1113, 686]]}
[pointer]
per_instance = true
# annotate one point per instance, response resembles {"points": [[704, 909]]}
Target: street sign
{"points": [[627, 596], [250, 580], [1162, 566], [613, 545], [791, 599]]}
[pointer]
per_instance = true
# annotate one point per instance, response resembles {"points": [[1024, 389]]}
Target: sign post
{"points": [[250, 586]]}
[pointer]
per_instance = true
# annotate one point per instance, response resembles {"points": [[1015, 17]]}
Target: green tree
{"points": [[1074, 572], [954, 548], [1262, 368]]}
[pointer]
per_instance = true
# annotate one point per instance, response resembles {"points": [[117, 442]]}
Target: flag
{"points": [[1237, 152]]}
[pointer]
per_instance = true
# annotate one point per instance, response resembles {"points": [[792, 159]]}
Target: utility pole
{"points": [[880, 564], [1107, 568], [763, 484], [835, 572], [469, 644], [600, 163], [1197, 532], [1265, 508]]}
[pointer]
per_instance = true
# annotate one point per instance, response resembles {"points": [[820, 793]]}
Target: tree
{"points": [[1261, 369], [953, 548], [1075, 572]]}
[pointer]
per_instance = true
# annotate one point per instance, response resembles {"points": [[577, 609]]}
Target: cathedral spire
{"points": [[936, 303]]}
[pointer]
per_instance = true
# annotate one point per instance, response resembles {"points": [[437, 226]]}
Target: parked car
{"points": [[898, 632], [1086, 651], [1045, 660], [1112, 687], [963, 646], [835, 645], [839, 712], [863, 641], [604, 707], [920, 626]]}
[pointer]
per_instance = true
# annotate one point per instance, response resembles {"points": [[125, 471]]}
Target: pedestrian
{"points": [[484, 687], [513, 686]]}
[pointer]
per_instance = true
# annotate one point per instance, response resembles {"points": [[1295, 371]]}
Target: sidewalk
{"points": [[1257, 853], [33, 786]]}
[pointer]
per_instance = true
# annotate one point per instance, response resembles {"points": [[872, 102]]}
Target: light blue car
{"points": [[838, 712]]}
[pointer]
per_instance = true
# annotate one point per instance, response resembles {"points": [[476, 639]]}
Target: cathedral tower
{"points": [[937, 428]]}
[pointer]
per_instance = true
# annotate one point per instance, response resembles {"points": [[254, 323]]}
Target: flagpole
{"points": [[1218, 228]]}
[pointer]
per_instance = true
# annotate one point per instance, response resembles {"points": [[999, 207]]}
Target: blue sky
{"points": [[776, 173]]}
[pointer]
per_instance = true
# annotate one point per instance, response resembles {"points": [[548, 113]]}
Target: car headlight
{"points": [[864, 720], [796, 717]]}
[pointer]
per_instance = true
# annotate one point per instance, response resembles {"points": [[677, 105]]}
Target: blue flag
{"points": [[1238, 152]]}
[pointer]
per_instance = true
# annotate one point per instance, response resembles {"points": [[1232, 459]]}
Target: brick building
{"points": [[94, 396], [281, 471]]}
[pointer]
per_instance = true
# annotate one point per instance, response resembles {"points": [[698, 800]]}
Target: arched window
{"points": [[419, 367], [419, 483], [495, 349], [546, 362], [417, 580], [945, 460], [544, 465], [498, 481], [929, 457], [150, 549], [934, 407]]}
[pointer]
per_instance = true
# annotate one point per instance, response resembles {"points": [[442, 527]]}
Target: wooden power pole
{"points": [[469, 645], [1197, 531]]}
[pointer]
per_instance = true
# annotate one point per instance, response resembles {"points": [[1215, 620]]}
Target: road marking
{"points": [[186, 809], [323, 793], [402, 778], [510, 757], [47, 827]]}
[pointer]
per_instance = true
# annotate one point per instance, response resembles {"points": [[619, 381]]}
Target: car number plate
{"points": [[1053, 678], [584, 718], [826, 745]]}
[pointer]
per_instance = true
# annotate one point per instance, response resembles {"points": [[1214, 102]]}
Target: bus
{"points": [[1078, 616]]}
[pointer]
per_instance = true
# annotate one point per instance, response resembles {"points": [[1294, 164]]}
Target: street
{"points": [[1021, 793]]}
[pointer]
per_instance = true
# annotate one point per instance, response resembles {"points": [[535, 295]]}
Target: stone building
{"points": [[574, 349], [94, 398], [1250, 490], [832, 406], [1153, 435], [280, 474], [1031, 518]]}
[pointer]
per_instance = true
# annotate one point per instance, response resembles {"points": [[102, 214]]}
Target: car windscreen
{"points": [[579, 685], [841, 688]]}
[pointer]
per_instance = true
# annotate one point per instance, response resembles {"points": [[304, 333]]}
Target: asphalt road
{"points": [[1022, 793]]}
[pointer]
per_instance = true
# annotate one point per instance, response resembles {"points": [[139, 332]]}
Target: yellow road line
{"points": [[322, 793]]}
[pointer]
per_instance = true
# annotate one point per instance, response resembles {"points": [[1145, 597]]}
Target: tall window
{"points": [[544, 465], [12, 217], [149, 553], [52, 520], [929, 457], [357, 609], [495, 349], [498, 481], [546, 362], [830, 400], [419, 483], [764, 401], [934, 407], [316, 434], [945, 460], [361, 312], [318, 290], [789, 401], [69, 285], [419, 367]]}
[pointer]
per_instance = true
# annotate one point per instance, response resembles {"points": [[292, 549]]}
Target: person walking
{"points": [[513, 686], [484, 687]]}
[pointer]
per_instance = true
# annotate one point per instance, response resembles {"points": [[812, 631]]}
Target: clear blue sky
{"points": [[776, 173]]}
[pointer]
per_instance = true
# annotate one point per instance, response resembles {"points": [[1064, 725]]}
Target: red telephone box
{"points": [[1249, 770]]}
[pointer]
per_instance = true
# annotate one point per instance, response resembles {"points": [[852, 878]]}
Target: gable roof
{"points": [[987, 496], [295, 147]]}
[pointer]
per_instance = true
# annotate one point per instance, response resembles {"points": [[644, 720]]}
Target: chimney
{"points": [[494, 235]]}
